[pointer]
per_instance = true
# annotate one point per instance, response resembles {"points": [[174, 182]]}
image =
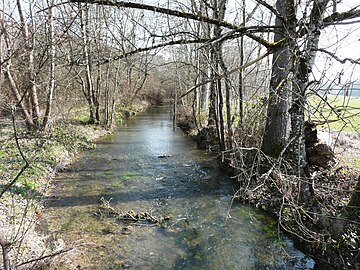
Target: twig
{"points": [[45, 257], [26, 165]]}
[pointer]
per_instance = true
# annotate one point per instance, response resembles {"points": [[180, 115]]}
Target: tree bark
{"points": [[89, 93], [52, 52], [303, 63], [31, 75], [355, 198], [278, 121]]}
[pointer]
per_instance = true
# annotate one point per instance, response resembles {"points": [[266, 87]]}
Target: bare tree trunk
{"points": [[277, 122], [29, 48], [51, 86], [241, 73], [355, 198], [107, 96], [115, 91], [5, 246], [19, 98], [97, 91], [84, 18], [5, 254], [12, 84], [303, 62], [228, 105]]}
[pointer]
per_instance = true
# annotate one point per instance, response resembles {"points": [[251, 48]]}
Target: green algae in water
{"points": [[127, 176], [117, 184], [269, 225], [270, 228], [109, 172]]}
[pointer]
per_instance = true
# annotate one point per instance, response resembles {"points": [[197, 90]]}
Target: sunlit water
{"points": [[125, 169]]}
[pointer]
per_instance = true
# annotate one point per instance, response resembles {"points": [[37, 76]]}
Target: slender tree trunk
{"points": [[12, 84], [221, 117], [115, 91], [5, 255], [228, 106], [18, 97], [241, 73], [355, 198], [97, 92], [51, 86], [84, 18], [29, 48], [303, 62]]}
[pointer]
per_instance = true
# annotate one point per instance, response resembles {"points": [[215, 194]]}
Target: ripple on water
{"points": [[125, 169]]}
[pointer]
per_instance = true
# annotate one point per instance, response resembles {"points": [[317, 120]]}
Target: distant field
{"points": [[336, 112]]}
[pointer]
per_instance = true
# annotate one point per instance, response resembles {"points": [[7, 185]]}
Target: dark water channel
{"points": [[125, 170]]}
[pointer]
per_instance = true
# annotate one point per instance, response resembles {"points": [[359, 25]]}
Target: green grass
{"points": [[336, 112]]}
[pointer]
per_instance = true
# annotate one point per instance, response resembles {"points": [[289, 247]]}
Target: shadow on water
{"points": [[186, 185]]}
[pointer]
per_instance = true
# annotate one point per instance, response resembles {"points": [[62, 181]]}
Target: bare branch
{"points": [[342, 16], [45, 257], [272, 9], [343, 61], [25, 166], [180, 14], [226, 74]]}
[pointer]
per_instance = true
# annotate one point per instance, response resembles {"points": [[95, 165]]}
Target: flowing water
{"points": [[184, 186]]}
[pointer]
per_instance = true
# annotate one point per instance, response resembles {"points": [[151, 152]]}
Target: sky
{"points": [[344, 41]]}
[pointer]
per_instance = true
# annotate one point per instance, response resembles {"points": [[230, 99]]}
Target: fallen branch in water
{"points": [[131, 215]]}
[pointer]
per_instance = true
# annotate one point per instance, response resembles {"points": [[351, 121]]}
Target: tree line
{"points": [[245, 68]]}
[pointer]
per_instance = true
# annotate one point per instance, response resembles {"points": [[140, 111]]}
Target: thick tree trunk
{"points": [[216, 97], [278, 120]]}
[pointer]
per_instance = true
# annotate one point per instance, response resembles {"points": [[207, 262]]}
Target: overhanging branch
{"points": [[342, 16], [180, 14], [343, 61]]}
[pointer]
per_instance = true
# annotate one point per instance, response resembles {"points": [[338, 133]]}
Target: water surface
{"points": [[125, 169]]}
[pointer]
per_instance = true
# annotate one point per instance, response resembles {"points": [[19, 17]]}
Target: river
{"points": [[146, 166]]}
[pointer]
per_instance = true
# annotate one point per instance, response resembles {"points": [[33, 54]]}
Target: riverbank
{"points": [[331, 233], [21, 207]]}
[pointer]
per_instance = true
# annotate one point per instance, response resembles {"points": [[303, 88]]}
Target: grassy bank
{"points": [[21, 206]]}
